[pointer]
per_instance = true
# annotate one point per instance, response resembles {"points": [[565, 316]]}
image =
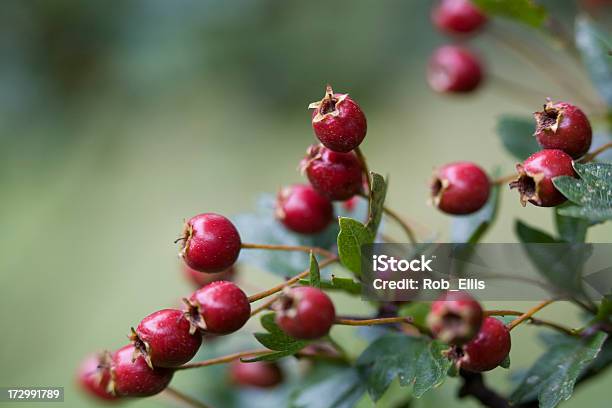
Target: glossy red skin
{"points": [[314, 314], [224, 307], [467, 191], [302, 209], [137, 379], [259, 374], [459, 305], [94, 379], [337, 176], [214, 244], [488, 349], [199, 279], [457, 17], [167, 334], [454, 69], [550, 163], [344, 132], [573, 134]]}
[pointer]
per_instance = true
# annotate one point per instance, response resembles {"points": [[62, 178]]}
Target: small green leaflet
{"points": [[352, 236], [592, 192], [415, 361], [570, 229], [275, 339], [342, 284], [522, 11], [595, 45], [516, 134], [315, 274], [377, 201], [554, 374]]}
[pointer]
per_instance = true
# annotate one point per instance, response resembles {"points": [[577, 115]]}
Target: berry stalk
{"points": [[592, 155], [527, 315], [364, 165], [534, 321], [302, 248], [226, 359], [371, 322]]}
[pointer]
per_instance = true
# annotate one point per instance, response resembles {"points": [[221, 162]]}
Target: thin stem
{"points": [[370, 322], [527, 315], [364, 165], [302, 248], [592, 155], [184, 399], [264, 306], [534, 321], [290, 282], [504, 179], [225, 359], [402, 223]]}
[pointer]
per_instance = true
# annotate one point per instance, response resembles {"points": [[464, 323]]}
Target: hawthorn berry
{"points": [[305, 312], [131, 376], [94, 376], [457, 17], [338, 121], [302, 209], [454, 69], [219, 308], [199, 279], [455, 318], [163, 338], [337, 176], [565, 127], [258, 374], [460, 188], [487, 350], [211, 243], [535, 175]]}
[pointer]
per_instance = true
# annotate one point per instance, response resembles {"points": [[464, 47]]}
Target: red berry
{"points": [[457, 17], [218, 308], [535, 175], [565, 127], [455, 318], [337, 176], [302, 209], [338, 121], [305, 313], [488, 350], [163, 338], [454, 69], [211, 243], [259, 374], [94, 376], [460, 188], [132, 377], [199, 279]]}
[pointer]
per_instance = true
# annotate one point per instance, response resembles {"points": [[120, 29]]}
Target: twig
{"points": [[302, 248], [398, 218], [527, 315], [264, 306], [370, 322], [504, 180], [183, 398], [225, 359], [534, 321], [364, 165], [289, 282], [592, 155]]}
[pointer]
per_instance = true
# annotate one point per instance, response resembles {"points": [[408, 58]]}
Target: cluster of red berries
{"points": [[454, 68], [332, 167], [564, 133], [478, 343], [169, 338]]}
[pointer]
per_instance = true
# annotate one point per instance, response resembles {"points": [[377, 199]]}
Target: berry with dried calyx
{"points": [[94, 376], [460, 188], [565, 127], [131, 376], [455, 318], [302, 209], [487, 350], [305, 312]]}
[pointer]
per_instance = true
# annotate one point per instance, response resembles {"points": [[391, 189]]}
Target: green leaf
{"points": [[352, 236], [554, 374], [415, 361], [471, 228], [527, 234], [418, 311], [275, 339], [570, 229], [377, 201], [516, 133], [594, 46], [341, 284], [315, 273], [522, 11], [592, 192], [342, 389]]}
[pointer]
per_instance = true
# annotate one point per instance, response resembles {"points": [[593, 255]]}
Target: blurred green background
{"points": [[121, 119]]}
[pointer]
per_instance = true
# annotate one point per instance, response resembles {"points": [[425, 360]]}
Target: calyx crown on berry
{"points": [[328, 106]]}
